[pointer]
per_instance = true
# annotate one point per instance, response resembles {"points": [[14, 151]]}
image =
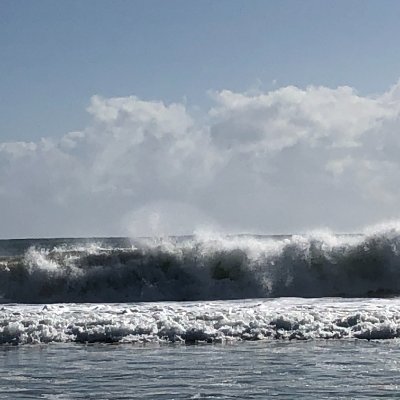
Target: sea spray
{"points": [[318, 264]]}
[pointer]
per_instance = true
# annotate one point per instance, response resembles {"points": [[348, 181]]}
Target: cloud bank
{"points": [[277, 162]]}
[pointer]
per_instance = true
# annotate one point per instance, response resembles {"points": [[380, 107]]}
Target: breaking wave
{"points": [[208, 268]]}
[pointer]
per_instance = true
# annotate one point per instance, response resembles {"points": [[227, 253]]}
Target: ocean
{"points": [[208, 316]]}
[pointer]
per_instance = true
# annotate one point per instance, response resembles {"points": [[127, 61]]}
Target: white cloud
{"points": [[287, 116], [17, 149], [280, 161]]}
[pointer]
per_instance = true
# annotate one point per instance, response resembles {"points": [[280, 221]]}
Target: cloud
{"points": [[285, 117], [281, 161]]}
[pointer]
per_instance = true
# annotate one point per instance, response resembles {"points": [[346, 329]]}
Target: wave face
{"points": [[273, 319], [206, 268]]}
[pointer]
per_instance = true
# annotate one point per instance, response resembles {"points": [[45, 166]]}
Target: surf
{"points": [[205, 267]]}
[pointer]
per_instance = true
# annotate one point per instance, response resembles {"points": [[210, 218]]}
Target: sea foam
{"points": [[196, 322]]}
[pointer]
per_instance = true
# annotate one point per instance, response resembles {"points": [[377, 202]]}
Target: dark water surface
{"points": [[350, 369]]}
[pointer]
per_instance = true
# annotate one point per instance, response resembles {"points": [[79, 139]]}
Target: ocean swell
{"points": [[208, 268]]}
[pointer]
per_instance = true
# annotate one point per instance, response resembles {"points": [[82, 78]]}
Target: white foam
{"points": [[257, 319]]}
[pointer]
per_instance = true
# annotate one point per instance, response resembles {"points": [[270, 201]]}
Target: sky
{"points": [[173, 117]]}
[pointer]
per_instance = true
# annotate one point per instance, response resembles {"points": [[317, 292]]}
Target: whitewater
{"points": [[201, 289], [201, 322], [209, 316]]}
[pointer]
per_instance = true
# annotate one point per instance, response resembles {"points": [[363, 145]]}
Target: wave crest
{"points": [[201, 268]]}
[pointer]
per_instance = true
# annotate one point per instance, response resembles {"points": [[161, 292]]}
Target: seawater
{"points": [[206, 316], [319, 369]]}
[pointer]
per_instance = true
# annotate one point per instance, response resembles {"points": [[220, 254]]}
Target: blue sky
{"points": [[56, 54], [166, 117]]}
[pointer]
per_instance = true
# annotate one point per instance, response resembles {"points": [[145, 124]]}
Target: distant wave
{"points": [[208, 268]]}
